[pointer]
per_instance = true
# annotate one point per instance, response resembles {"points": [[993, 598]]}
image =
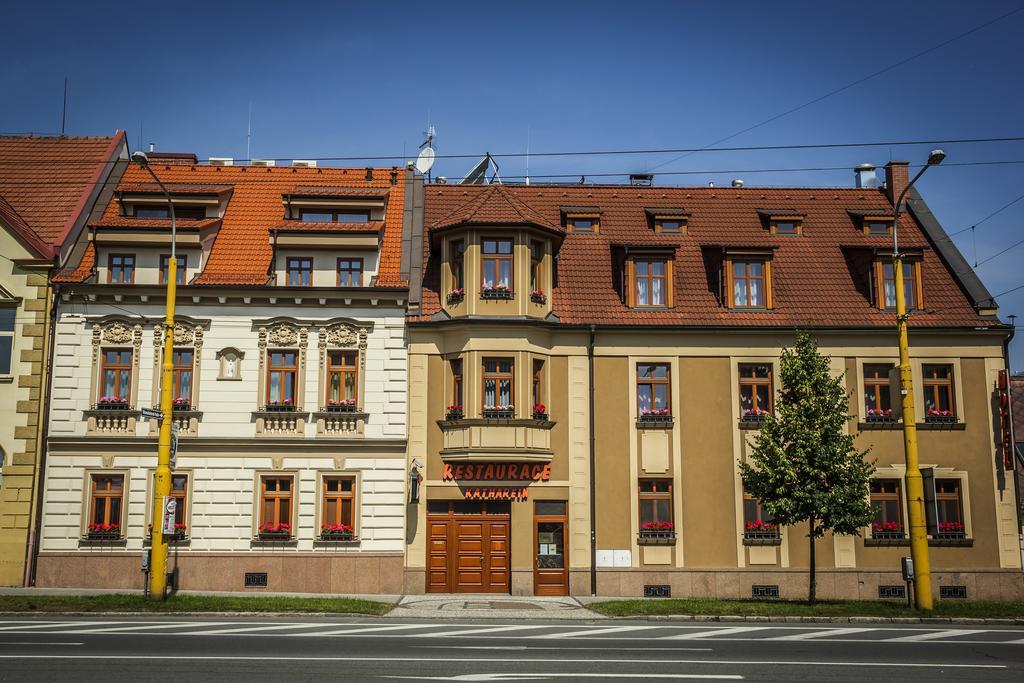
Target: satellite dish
{"points": [[425, 160]]}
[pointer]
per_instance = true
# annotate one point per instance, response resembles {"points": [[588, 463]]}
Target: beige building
{"points": [[48, 187], [588, 365]]}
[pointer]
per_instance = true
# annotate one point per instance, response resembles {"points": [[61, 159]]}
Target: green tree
{"points": [[803, 465]]}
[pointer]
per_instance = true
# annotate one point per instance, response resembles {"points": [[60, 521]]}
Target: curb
{"points": [[968, 621], [157, 613]]}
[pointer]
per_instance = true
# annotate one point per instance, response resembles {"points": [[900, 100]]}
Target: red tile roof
{"points": [[48, 180], [493, 205], [821, 279], [158, 223], [321, 226], [241, 253], [173, 188], [346, 192], [80, 272]]}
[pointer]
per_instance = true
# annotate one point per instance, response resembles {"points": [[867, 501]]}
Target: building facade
{"points": [[588, 365], [289, 381], [48, 187]]}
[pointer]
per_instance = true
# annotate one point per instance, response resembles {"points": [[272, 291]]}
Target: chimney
{"points": [[152, 147], [865, 175], [897, 175]]}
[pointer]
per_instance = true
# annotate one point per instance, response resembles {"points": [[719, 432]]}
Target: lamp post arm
{"points": [[899, 206], [170, 206]]}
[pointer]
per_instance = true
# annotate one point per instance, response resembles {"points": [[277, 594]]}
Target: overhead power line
{"points": [[994, 213]]}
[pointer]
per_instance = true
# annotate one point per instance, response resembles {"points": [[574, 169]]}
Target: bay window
{"points": [[498, 385], [496, 267]]}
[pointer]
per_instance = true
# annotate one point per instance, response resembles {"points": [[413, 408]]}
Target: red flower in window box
{"points": [[540, 411], [453, 412], [337, 532], [104, 531], [283, 405], [537, 296], [181, 403], [664, 532], [344, 405], [112, 403], [887, 530], [656, 415], [456, 295], [952, 530], [761, 529], [272, 530]]}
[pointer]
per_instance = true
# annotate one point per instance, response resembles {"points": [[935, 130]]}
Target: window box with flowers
{"points": [[657, 533], [540, 411], [112, 403], [181, 404], [499, 291], [499, 412], [881, 416], [338, 533], [345, 405], [760, 532], [656, 417], [283, 406], [940, 417], [887, 531], [538, 297], [456, 296], [103, 532], [274, 532], [754, 417], [453, 412], [951, 531], [180, 534]]}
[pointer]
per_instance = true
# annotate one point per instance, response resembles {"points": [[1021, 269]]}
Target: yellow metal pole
{"points": [[162, 489], [915, 486]]}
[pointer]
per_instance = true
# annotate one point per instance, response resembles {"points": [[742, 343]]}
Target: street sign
{"points": [[152, 414], [174, 446], [170, 505]]}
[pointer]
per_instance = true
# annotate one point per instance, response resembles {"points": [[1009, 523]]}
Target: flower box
{"points": [[496, 293], [280, 408], [337, 532], [498, 413], [103, 532], [888, 535], [761, 531], [757, 416], [181, 407], [540, 411], [540, 416], [950, 536], [274, 535], [944, 417], [456, 296], [655, 416], [340, 408], [660, 537], [112, 404], [453, 413], [886, 416], [538, 297]]}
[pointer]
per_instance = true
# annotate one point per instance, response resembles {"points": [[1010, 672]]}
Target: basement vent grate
{"points": [[892, 592], [255, 579], [764, 591], [952, 592], [657, 591]]}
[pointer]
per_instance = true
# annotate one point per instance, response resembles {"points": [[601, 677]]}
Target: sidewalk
{"points": [[392, 599], [491, 606]]}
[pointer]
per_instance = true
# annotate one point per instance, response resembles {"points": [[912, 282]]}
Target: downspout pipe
{"points": [[1013, 444], [593, 472]]}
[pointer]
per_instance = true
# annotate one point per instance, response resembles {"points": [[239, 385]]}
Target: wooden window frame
{"points": [[10, 316], [95, 496], [538, 381], [342, 370], [659, 220], [110, 269], [277, 496], [888, 496], [865, 221], [766, 280], [334, 214], [457, 249], [537, 250], [458, 381], [180, 369], [916, 283], [293, 264], [797, 221], [652, 382], [945, 497], [182, 268], [668, 280], [498, 258], [594, 218], [753, 383], [497, 376], [935, 384], [878, 386], [181, 497], [351, 261], [655, 495], [119, 368], [283, 370], [340, 496]]}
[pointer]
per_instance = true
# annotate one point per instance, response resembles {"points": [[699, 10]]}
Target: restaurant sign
{"points": [[493, 472]]}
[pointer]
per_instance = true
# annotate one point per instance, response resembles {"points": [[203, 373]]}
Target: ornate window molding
{"points": [[114, 332], [342, 334], [289, 334], [188, 334]]}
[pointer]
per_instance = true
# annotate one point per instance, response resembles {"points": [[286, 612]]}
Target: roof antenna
{"points": [[64, 111], [248, 137], [527, 155], [425, 160]]}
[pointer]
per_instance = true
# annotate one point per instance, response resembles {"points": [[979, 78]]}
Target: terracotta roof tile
{"points": [[47, 179], [174, 188], [321, 226], [157, 223], [82, 271], [345, 192], [495, 205], [819, 280]]}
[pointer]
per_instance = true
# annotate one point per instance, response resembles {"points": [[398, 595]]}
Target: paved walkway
{"points": [[489, 606]]}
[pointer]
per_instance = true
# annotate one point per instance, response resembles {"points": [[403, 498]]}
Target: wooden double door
{"points": [[468, 546]]}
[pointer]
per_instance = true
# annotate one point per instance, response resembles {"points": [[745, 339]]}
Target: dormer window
{"points": [[350, 272], [885, 294], [299, 271], [877, 226], [787, 226], [496, 266], [581, 218], [748, 280], [668, 221], [333, 216], [458, 264], [180, 271], [164, 211], [121, 269]]}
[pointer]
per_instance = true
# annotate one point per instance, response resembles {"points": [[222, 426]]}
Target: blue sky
{"points": [[353, 79]]}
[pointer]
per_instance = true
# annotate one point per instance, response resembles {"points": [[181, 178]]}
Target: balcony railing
{"points": [[116, 419]]}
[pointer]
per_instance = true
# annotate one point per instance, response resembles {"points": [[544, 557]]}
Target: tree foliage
{"points": [[804, 466]]}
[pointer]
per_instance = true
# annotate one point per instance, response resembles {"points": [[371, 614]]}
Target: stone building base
{"points": [[341, 574]]}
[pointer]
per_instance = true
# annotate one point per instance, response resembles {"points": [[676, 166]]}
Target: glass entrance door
{"points": [[551, 569]]}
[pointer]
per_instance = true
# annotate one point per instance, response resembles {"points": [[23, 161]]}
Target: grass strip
{"points": [[824, 608], [187, 603]]}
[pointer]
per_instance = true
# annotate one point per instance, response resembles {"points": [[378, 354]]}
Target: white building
{"points": [[290, 381]]}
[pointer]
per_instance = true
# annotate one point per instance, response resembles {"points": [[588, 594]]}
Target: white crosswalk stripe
{"points": [[376, 629], [715, 632], [58, 624], [935, 635], [494, 629], [140, 627], [252, 628], [596, 631], [821, 634]]}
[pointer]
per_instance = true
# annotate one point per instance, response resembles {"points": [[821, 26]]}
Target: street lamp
{"points": [[162, 489], [915, 485]]}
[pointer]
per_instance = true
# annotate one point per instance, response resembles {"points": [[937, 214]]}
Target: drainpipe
{"points": [[32, 551], [1013, 443], [593, 473]]}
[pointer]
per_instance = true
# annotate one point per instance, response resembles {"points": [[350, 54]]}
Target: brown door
{"points": [[468, 547], [550, 567]]}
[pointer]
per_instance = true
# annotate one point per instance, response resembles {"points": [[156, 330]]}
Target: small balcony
{"points": [[493, 439], [342, 421], [111, 417], [280, 420]]}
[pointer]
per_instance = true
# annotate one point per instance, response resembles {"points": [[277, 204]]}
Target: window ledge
{"points": [[176, 541], [284, 542], [6, 379], [655, 424], [951, 542], [87, 542], [773, 540], [662, 538], [942, 426], [321, 542], [879, 542], [880, 425]]}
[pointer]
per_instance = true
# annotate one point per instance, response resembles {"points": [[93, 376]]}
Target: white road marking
{"points": [[596, 630], [123, 629], [509, 660], [377, 629], [493, 629], [821, 634], [38, 642], [58, 624], [715, 632], [543, 676], [935, 635], [561, 649], [248, 629]]}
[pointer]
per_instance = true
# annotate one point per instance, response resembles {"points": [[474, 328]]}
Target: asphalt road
{"points": [[160, 648]]}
